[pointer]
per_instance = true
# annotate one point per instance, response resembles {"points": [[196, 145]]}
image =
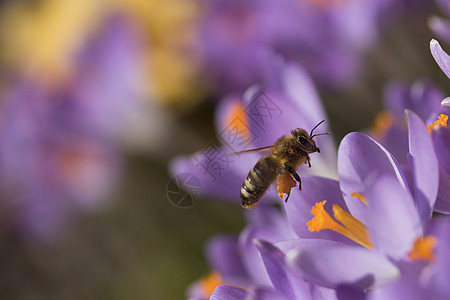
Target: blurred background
{"points": [[97, 96]]}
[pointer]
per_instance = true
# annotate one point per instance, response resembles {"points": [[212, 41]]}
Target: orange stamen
{"points": [[237, 122], [360, 197], [441, 121], [423, 248], [382, 123], [351, 227], [210, 282], [357, 228]]}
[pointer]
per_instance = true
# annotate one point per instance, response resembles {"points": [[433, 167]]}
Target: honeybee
{"points": [[281, 163]]}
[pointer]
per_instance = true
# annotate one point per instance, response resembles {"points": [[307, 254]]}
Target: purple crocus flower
{"points": [[432, 282], [238, 37], [389, 211], [235, 261], [425, 99], [441, 133], [268, 274], [263, 116], [382, 213], [286, 284], [253, 267]]}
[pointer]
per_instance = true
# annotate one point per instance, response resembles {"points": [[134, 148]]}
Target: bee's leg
{"points": [[308, 161], [287, 197], [289, 168], [295, 175]]}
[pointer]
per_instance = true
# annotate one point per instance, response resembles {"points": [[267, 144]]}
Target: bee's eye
{"points": [[303, 141]]}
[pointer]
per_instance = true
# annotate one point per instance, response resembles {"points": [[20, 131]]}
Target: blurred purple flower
{"points": [[58, 151], [227, 268], [109, 83], [326, 37], [257, 121], [439, 25], [390, 128], [52, 161]]}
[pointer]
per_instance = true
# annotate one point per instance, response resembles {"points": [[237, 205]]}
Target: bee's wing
{"points": [[262, 149]]}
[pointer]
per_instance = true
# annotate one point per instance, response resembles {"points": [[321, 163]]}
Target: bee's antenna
{"points": [[317, 134], [315, 127]]}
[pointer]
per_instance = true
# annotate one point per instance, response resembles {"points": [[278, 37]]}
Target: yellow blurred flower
{"points": [[41, 39], [174, 59]]}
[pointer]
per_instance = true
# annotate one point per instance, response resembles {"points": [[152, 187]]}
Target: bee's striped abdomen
{"points": [[258, 181]]}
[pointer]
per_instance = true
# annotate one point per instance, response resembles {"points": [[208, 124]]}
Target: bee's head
{"points": [[305, 140]]}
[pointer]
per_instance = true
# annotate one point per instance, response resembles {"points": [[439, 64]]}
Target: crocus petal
{"points": [[423, 162], [300, 88], [393, 221], [279, 274], [442, 204], [250, 255], [306, 244], [395, 140], [298, 207], [265, 223], [235, 134], [346, 291], [271, 115], [322, 293], [212, 181], [360, 160], [440, 27], [443, 6], [271, 218], [441, 141], [403, 289], [396, 97], [446, 102], [440, 56], [264, 294], [223, 256], [231, 124], [441, 268], [333, 266], [423, 97], [224, 292]]}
